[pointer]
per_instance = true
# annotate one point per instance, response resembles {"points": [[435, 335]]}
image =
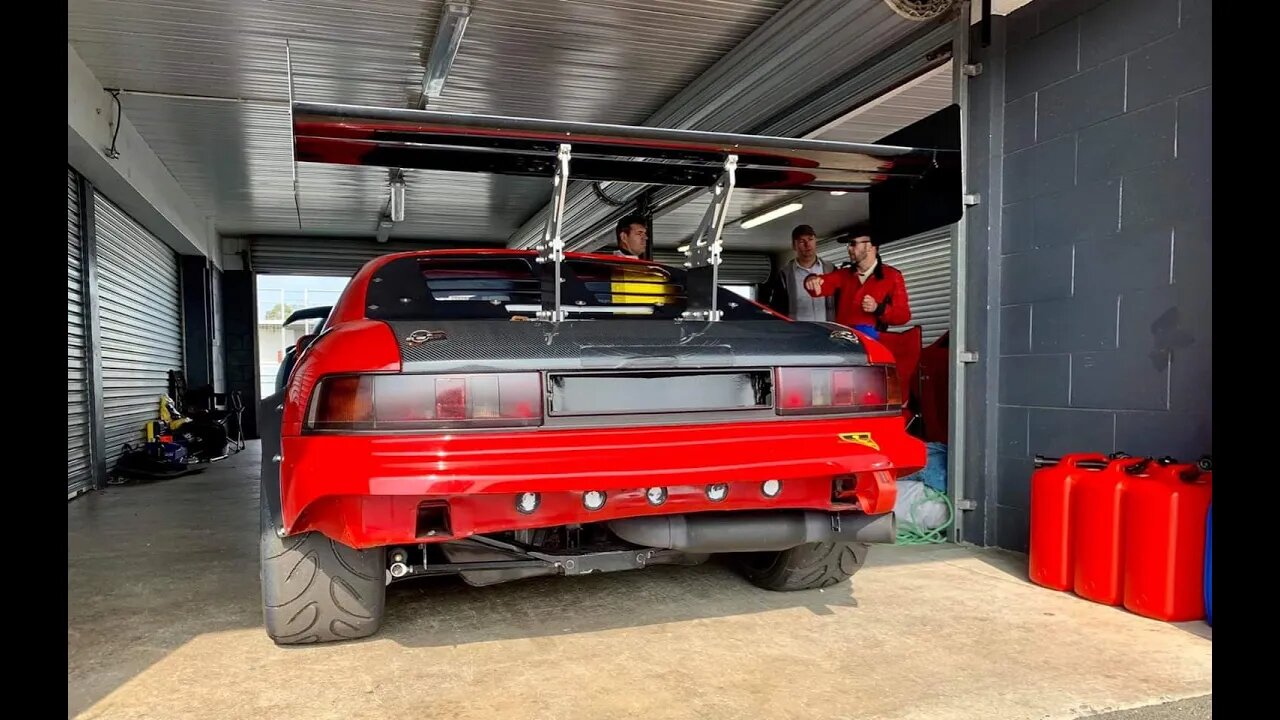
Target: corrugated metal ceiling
{"points": [[592, 60], [912, 101], [826, 213], [803, 52], [587, 60]]}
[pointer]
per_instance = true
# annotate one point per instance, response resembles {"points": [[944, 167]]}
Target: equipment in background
{"points": [[923, 509], [1164, 541], [1124, 531], [210, 420], [193, 428]]}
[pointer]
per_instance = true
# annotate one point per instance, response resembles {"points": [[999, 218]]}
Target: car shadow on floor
{"points": [[152, 567], [446, 611]]}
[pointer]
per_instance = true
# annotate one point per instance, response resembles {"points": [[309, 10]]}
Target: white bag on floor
{"points": [[912, 506]]}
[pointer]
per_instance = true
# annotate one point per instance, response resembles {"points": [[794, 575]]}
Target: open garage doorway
{"points": [[279, 297]]}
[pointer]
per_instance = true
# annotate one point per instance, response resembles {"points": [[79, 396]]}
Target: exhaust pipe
{"points": [[753, 531]]}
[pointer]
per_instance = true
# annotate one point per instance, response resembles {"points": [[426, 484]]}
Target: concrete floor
{"points": [[164, 622]]}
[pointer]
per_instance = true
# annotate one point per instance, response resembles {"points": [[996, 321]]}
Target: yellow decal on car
{"points": [[860, 438], [641, 285]]}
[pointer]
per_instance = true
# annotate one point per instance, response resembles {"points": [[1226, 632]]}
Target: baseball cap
{"points": [[802, 230]]}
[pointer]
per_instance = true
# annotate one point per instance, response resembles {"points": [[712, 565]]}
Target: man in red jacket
{"points": [[871, 294]]}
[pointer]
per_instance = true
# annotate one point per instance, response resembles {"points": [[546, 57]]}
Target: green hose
{"points": [[911, 532]]}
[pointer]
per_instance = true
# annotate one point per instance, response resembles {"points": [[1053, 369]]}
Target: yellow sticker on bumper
{"points": [[860, 438]]}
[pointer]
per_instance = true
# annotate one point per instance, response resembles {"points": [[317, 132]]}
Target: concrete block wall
{"points": [[1103, 278]]}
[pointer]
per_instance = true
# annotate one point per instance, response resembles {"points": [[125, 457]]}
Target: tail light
{"points": [[425, 402], [832, 390]]}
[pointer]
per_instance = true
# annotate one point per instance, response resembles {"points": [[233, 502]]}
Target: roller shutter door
{"points": [[79, 432], [337, 257], [735, 268], [140, 314], [342, 257]]}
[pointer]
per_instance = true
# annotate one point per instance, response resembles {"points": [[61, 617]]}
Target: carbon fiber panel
{"points": [[485, 345]]}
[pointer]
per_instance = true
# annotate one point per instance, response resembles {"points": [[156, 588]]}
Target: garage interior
{"points": [[1075, 292]]}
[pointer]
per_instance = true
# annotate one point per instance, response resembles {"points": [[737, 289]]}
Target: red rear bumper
{"points": [[366, 490]]}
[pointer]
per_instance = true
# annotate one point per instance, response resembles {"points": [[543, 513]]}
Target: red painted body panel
{"points": [[375, 482], [358, 346], [364, 490]]}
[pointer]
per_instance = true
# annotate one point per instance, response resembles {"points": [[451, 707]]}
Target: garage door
{"points": [[925, 263], [320, 256], [735, 268], [141, 322], [79, 459]]}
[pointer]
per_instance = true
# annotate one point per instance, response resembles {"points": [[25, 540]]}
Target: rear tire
{"points": [[815, 565], [317, 590]]}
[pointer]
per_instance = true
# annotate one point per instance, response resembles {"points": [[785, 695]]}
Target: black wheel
{"points": [[317, 590], [815, 565]]}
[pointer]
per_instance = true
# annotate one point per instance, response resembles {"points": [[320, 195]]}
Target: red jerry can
{"points": [[1098, 520], [1164, 541], [1051, 557]]}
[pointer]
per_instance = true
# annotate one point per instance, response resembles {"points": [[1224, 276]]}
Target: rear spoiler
{"points": [[916, 183], [430, 140], [312, 313]]}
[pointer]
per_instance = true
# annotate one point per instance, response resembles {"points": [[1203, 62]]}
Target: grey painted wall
{"points": [[240, 327], [984, 160], [1097, 158], [219, 359], [202, 323], [196, 329]]}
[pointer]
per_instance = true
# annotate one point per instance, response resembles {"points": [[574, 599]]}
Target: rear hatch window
{"points": [[502, 288]]}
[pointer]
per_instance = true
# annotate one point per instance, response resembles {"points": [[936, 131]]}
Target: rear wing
{"points": [[312, 313], [909, 184]]}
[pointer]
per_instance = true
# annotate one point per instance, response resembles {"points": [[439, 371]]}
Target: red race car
{"points": [[505, 414]]}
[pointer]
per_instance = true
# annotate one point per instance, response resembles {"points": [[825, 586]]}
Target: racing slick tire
{"points": [[805, 567], [316, 590]]}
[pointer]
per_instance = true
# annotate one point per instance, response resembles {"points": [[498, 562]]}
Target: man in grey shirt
{"points": [[784, 293]]}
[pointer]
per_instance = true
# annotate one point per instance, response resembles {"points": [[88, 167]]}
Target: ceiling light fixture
{"points": [[773, 214], [838, 193], [444, 48]]}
